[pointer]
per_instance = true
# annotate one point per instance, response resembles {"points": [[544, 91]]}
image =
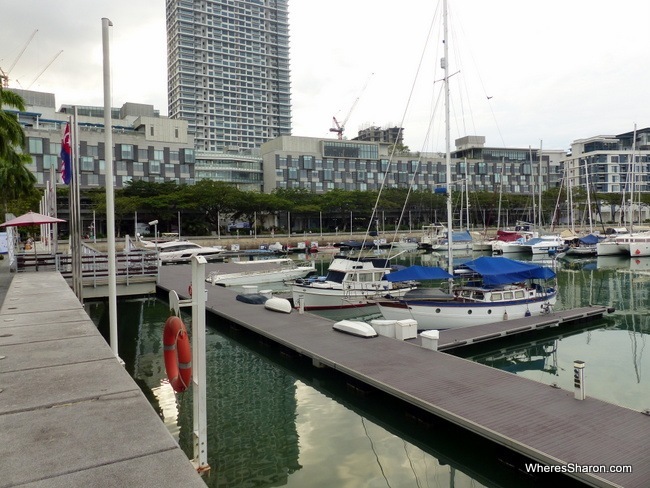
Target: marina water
{"points": [[276, 421]]}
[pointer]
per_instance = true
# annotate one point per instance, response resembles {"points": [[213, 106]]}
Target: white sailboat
{"points": [[491, 288]]}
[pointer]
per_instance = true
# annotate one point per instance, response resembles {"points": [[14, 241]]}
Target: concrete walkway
{"points": [[70, 415], [5, 277]]}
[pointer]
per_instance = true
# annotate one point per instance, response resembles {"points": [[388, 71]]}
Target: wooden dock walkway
{"points": [[465, 336], [543, 423], [70, 415]]}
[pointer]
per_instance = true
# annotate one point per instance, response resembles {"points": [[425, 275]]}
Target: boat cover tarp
{"points": [[413, 273], [589, 239], [507, 235], [501, 271], [461, 236]]}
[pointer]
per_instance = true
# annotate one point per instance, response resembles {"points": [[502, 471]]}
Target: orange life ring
{"points": [[178, 354]]}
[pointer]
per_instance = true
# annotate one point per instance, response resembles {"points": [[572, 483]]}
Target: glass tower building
{"points": [[228, 71]]}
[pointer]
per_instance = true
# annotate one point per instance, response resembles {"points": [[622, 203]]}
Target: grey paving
{"points": [[70, 415]]}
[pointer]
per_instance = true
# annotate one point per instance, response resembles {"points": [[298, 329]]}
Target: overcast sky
{"points": [[551, 71]]}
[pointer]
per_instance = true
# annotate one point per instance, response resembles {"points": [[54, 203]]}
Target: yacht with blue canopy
{"points": [[484, 290]]}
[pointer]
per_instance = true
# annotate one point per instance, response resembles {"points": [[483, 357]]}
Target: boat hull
{"points": [[264, 276], [322, 296], [451, 315]]}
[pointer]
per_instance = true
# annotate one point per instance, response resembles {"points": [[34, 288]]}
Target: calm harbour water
{"points": [[275, 421]]}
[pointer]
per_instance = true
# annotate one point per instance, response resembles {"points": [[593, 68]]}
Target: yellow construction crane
{"points": [[5, 74]]}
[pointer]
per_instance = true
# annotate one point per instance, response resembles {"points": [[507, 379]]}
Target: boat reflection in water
{"points": [[274, 420], [279, 422]]}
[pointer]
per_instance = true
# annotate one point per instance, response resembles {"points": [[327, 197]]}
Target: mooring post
{"points": [[200, 430], [579, 379]]}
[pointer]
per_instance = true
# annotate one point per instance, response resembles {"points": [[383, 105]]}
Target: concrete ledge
{"points": [[70, 415]]}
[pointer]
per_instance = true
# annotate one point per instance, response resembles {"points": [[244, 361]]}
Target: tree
{"points": [[11, 133], [15, 178]]}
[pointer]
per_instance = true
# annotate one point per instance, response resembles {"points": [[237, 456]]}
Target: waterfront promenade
{"points": [[70, 415]]}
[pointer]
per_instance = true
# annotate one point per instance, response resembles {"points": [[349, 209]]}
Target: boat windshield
{"points": [[335, 276]]}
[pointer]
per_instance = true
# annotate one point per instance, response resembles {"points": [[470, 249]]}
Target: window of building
{"points": [[143, 154], [126, 151], [120, 167], [87, 163], [138, 168], [35, 145], [50, 161]]}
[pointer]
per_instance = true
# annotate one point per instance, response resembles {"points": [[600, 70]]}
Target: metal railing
{"points": [[130, 267]]}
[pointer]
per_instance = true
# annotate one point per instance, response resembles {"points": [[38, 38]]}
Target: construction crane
{"points": [[340, 127], [43, 70], [5, 74]]}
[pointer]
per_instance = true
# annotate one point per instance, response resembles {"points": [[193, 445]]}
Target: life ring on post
{"points": [[178, 354]]}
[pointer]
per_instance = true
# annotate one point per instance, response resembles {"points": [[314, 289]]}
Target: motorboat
{"points": [[435, 238], [546, 244], [349, 282], [182, 251], [584, 246], [513, 242], [265, 271], [487, 289]]}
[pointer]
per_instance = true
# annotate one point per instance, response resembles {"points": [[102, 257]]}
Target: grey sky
{"points": [[555, 70]]}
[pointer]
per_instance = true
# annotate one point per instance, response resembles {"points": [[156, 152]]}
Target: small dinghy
{"points": [[278, 304], [354, 327], [255, 298]]}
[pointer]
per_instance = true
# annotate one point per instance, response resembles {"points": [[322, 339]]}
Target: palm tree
{"points": [[11, 133], [15, 178]]}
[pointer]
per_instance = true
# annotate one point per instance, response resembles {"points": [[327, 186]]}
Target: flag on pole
{"points": [[66, 150]]}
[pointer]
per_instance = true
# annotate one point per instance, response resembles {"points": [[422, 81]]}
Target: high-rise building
{"points": [[228, 71]]}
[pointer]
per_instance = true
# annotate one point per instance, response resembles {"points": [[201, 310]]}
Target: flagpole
{"points": [[72, 227], [76, 257], [55, 226], [110, 199]]}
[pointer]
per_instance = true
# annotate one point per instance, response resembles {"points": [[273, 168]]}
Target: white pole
{"points": [[94, 228], [539, 197], [55, 227], [320, 214], [199, 296], [179, 225], [110, 199], [445, 66]]}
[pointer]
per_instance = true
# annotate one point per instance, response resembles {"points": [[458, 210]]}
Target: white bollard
{"points": [[430, 339], [579, 379]]}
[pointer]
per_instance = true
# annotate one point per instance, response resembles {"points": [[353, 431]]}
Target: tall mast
{"points": [[445, 66]]}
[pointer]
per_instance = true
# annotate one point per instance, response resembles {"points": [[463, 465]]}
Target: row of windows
{"points": [[35, 145]]}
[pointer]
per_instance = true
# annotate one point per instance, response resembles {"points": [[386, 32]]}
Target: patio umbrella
{"points": [[31, 218]]}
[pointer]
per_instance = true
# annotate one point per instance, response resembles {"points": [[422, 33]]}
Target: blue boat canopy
{"points": [[413, 273], [461, 236], [589, 239], [501, 271]]}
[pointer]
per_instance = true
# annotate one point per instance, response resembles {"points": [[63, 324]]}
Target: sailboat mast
{"points": [[445, 66], [539, 194]]}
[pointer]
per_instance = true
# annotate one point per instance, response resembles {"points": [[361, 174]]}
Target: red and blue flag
{"points": [[66, 156]]}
